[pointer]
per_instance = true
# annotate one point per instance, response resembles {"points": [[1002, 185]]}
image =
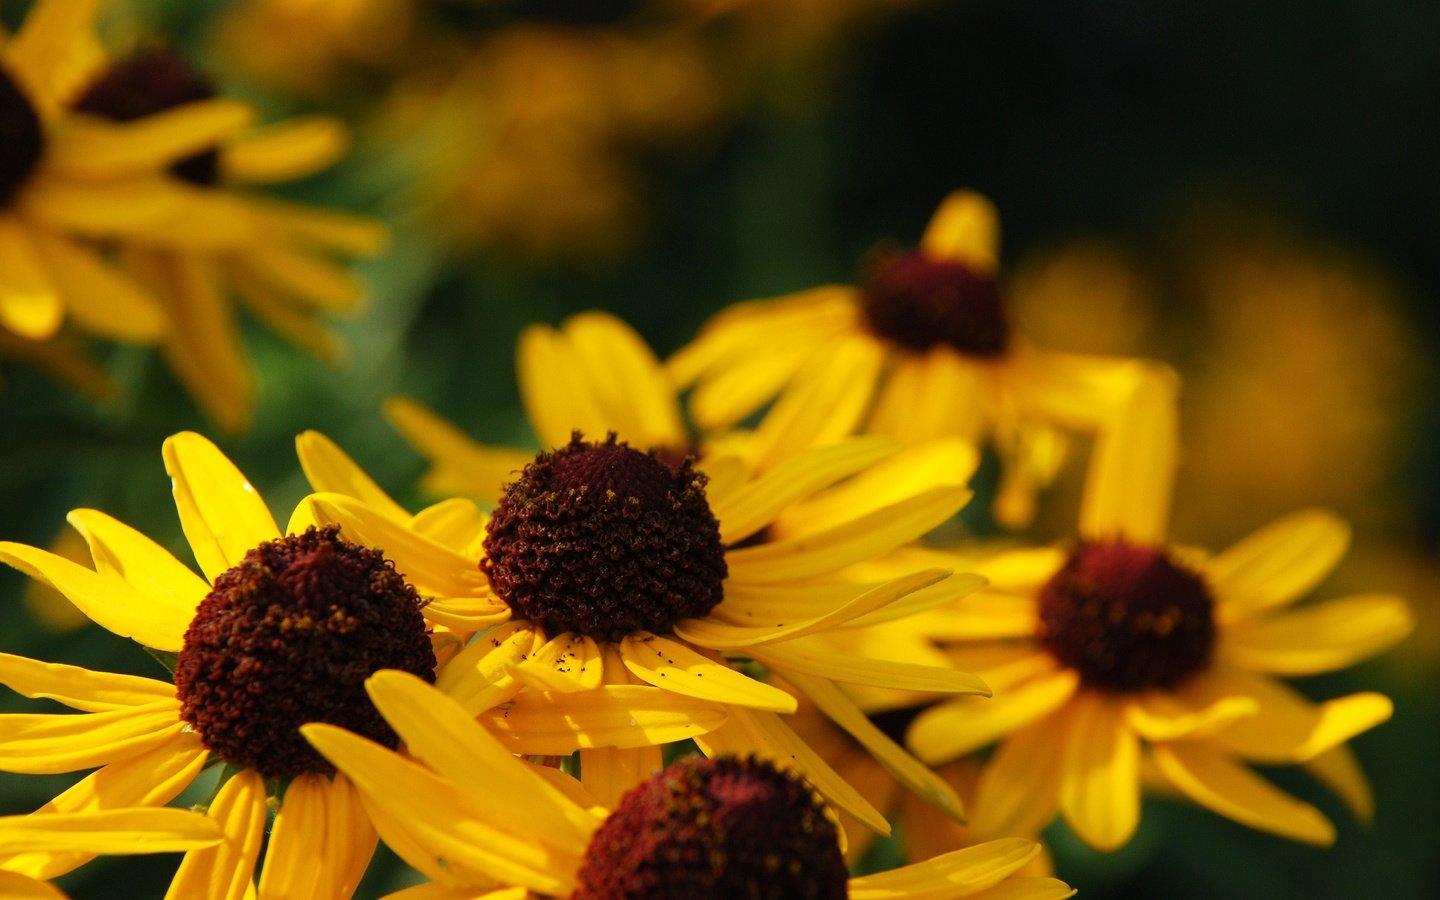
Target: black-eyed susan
{"points": [[112, 832], [68, 179], [280, 267], [1124, 649], [478, 821], [636, 589], [922, 348], [282, 630]]}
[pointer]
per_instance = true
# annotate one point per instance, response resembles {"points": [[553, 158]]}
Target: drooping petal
{"points": [[1132, 468], [1100, 773], [1318, 638], [671, 665], [47, 743], [958, 726], [959, 873], [813, 659], [1217, 782], [221, 512], [549, 723], [1018, 791], [81, 688], [330, 469], [1279, 563], [1338, 770], [225, 872]]}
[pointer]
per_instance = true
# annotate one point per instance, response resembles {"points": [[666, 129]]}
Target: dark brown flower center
{"points": [[920, 303], [146, 83], [23, 138], [725, 827], [289, 636], [603, 540], [1127, 617]]}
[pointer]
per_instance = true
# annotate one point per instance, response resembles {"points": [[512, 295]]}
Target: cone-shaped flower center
{"points": [[149, 82], [603, 540], [1127, 617], [725, 827], [289, 636], [23, 139], [920, 302]]}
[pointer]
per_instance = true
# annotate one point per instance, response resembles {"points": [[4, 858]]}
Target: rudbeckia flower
{"points": [[628, 579], [724, 827], [67, 179], [280, 266], [922, 348], [281, 630], [1124, 649], [114, 832]]}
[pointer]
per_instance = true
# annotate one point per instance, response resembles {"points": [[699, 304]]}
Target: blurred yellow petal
{"points": [[958, 726], [1027, 889], [297, 325], [1289, 728], [745, 384], [81, 688], [101, 299], [959, 873], [1100, 772], [221, 512], [1018, 791], [224, 872], [1160, 715], [548, 723], [627, 378], [671, 665], [1279, 563], [812, 659], [1217, 782], [1318, 638], [95, 148], [567, 662], [1338, 770], [330, 229], [937, 394], [608, 772], [328, 468], [982, 616], [30, 304], [966, 229], [38, 52], [823, 403], [1132, 467], [114, 831], [44, 744], [307, 277], [285, 151], [460, 463]]}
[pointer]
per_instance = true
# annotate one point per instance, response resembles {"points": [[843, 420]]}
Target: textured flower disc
{"points": [[23, 141], [1127, 617], [289, 636], [920, 302], [146, 83], [725, 827], [603, 540]]}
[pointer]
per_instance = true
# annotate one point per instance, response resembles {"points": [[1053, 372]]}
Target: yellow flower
{"points": [[280, 631], [923, 348], [67, 179], [1126, 644], [478, 821], [109, 832], [631, 586], [278, 263]]}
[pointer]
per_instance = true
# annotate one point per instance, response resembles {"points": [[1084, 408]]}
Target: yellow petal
{"points": [[813, 659], [959, 873], [1318, 638], [466, 613], [1279, 563], [294, 861], [30, 304], [745, 383], [120, 550], [567, 662], [457, 523], [352, 837], [1166, 716], [40, 49], [109, 601], [863, 537], [46, 744], [1027, 889], [101, 299], [329, 229], [330, 469], [936, 394], [461, 464], [983, 616], [1217, 782], [81, 688], [23, 887], [297, 325], [559, 397], [1018, 791], [673, 666], [224, 872], [1338, 770], [477, 677], [825, 402], [114, 831], [1132, 467], [306, 276], [966, 229], [956, 727], [222, 514], [1288, 727], [627, 378], [548, 723], [285, 151], [908, 770], [1100, 773], [89, 147], [609, 773]]}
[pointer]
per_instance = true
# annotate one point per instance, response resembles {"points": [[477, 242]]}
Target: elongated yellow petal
{"points": [[1100, 773], [559, 396], [826, 401], [608, 773], [757, 504], [114, 831], [45, 743], [81, 688], [330, 229], [548, 723], [908, 770], [959, 873], [109, 601], [466, 613], [627, 377], [746, 382], [285, 151], [567, 662], [307, 277], [224, 872], [673, 666], [956, 727], [1279, 563], [297, 325], [717, 635], [456, 523], [1166, 716], [861, 538], [92, 147], [1215, 781], [120, 550], [477, 678], [982, 616], [1018, 791], [100, 298], [221, 512], [38, 53], [330, 469], [30, 303], [1338, 770], [1319, 638], [937, 394], [461, 464], [297, 856], [966, 229], [812, 659], [431, 811], [1132, 468], [352, 837]]}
